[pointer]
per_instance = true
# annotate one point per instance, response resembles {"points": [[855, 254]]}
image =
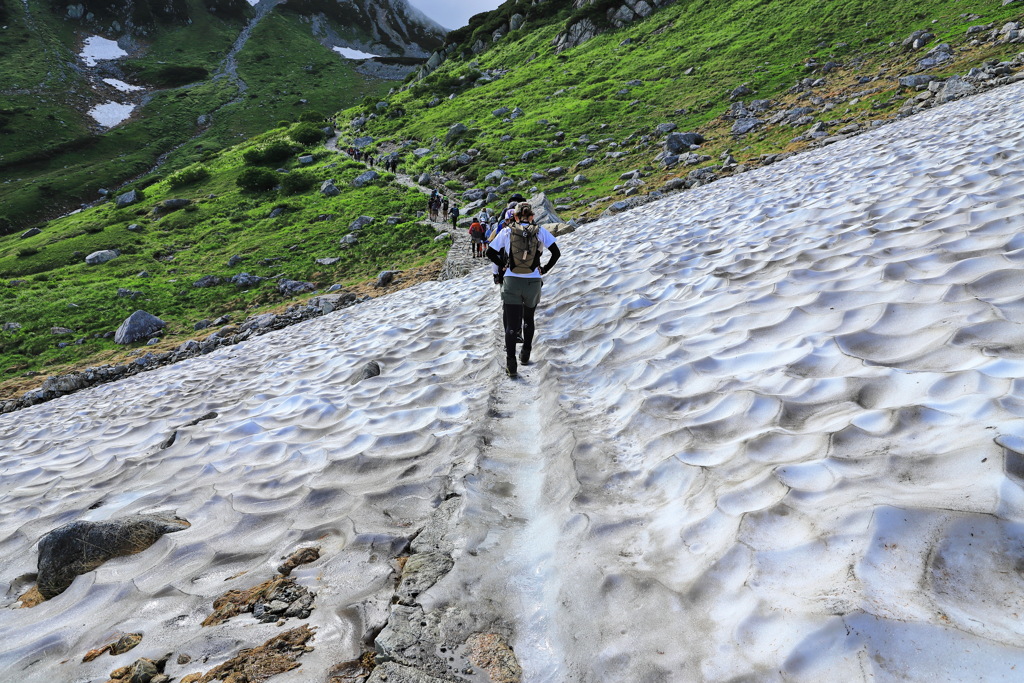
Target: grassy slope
{"points": [[59, 289], [69, 165], [759, 42], [749, 41]]}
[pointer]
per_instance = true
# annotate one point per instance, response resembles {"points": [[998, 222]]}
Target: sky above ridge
{"points": [[453, 14]]}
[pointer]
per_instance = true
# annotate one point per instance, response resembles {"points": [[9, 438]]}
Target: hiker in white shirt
{"points": [[520, 276]]}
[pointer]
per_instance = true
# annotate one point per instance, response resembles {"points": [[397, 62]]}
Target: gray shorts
{"points": [[524, 291]]}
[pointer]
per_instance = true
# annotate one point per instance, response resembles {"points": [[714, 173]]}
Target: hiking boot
{"points": [[524, 355], [510, 367]]}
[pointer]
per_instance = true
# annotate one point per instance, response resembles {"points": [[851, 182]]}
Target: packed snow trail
{"points": [[778, 435], [516, 516]]}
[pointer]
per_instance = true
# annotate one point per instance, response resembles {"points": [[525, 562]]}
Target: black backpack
{"points": [[524, 248]]}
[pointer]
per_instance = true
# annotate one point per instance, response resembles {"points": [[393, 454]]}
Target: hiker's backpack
{"points": [[524, 248], [476, 231]]}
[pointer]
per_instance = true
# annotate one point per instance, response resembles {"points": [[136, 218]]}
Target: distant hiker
{"points": [[524, 242], [454, 215], [444, 209], [477, 235]]}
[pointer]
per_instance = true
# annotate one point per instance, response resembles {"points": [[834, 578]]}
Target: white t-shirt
{"points": [[503, 241]]}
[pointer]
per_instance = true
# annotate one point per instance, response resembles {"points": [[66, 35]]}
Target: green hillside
{"points": [[51, 158], [588, 135], [677, 66]]}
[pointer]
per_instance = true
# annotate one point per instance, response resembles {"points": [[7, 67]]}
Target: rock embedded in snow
{"points": [[81, 547], [138, 326]]}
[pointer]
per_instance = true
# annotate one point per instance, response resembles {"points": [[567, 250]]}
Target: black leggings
{"points": [[517, 317]]}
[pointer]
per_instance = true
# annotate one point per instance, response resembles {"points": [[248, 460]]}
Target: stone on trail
{"points": [[392, 672], [138, 326], [80, 547]]}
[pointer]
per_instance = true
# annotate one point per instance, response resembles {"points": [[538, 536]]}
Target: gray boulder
{"points": [[360, 223], [679, 143], [745, 125], [424, 179], [80, 547], [329, 189], [306, 159], [954, 88], [543, 210], [665, 128], [127, 199], [501, 111], [329, 261], [294, 287], [741, 91], [385, 278], [207, 281], [348, 240], [98, 257], [11, 327], [170, 205], [455, 132], [516, 22], [245, 280], [364, 141], [235, 260], [138, 326], [365, 179], [915, 80], [531, 154], [31, 232]]}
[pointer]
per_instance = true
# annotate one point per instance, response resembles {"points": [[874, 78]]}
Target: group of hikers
{"points": [[440, 209], [514, 244], [388, 163]]}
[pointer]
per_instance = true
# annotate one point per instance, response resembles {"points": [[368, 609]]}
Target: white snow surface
{"points": [[97, 48], [111, 113], [350, 53], [122, 86], [773, 431]]}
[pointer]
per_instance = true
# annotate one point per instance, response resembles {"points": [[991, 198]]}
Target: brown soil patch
{"points": [[255, 665]]}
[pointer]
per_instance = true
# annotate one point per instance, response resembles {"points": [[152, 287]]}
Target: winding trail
{"points": [[460, 261], [229, 66]]}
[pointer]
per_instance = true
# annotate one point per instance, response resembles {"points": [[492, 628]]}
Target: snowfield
{"points": [[774, 429]]}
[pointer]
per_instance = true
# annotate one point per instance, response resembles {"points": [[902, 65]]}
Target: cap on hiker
{"points": [[517, 198]]}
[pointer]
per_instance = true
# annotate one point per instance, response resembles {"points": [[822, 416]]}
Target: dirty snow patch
{"points": [[349, 53], [97, 48], [122, 86], [110, 114]]}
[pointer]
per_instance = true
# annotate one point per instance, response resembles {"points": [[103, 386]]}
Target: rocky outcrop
{"points": [[138, 326], [80, 547], [618, 16]]}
